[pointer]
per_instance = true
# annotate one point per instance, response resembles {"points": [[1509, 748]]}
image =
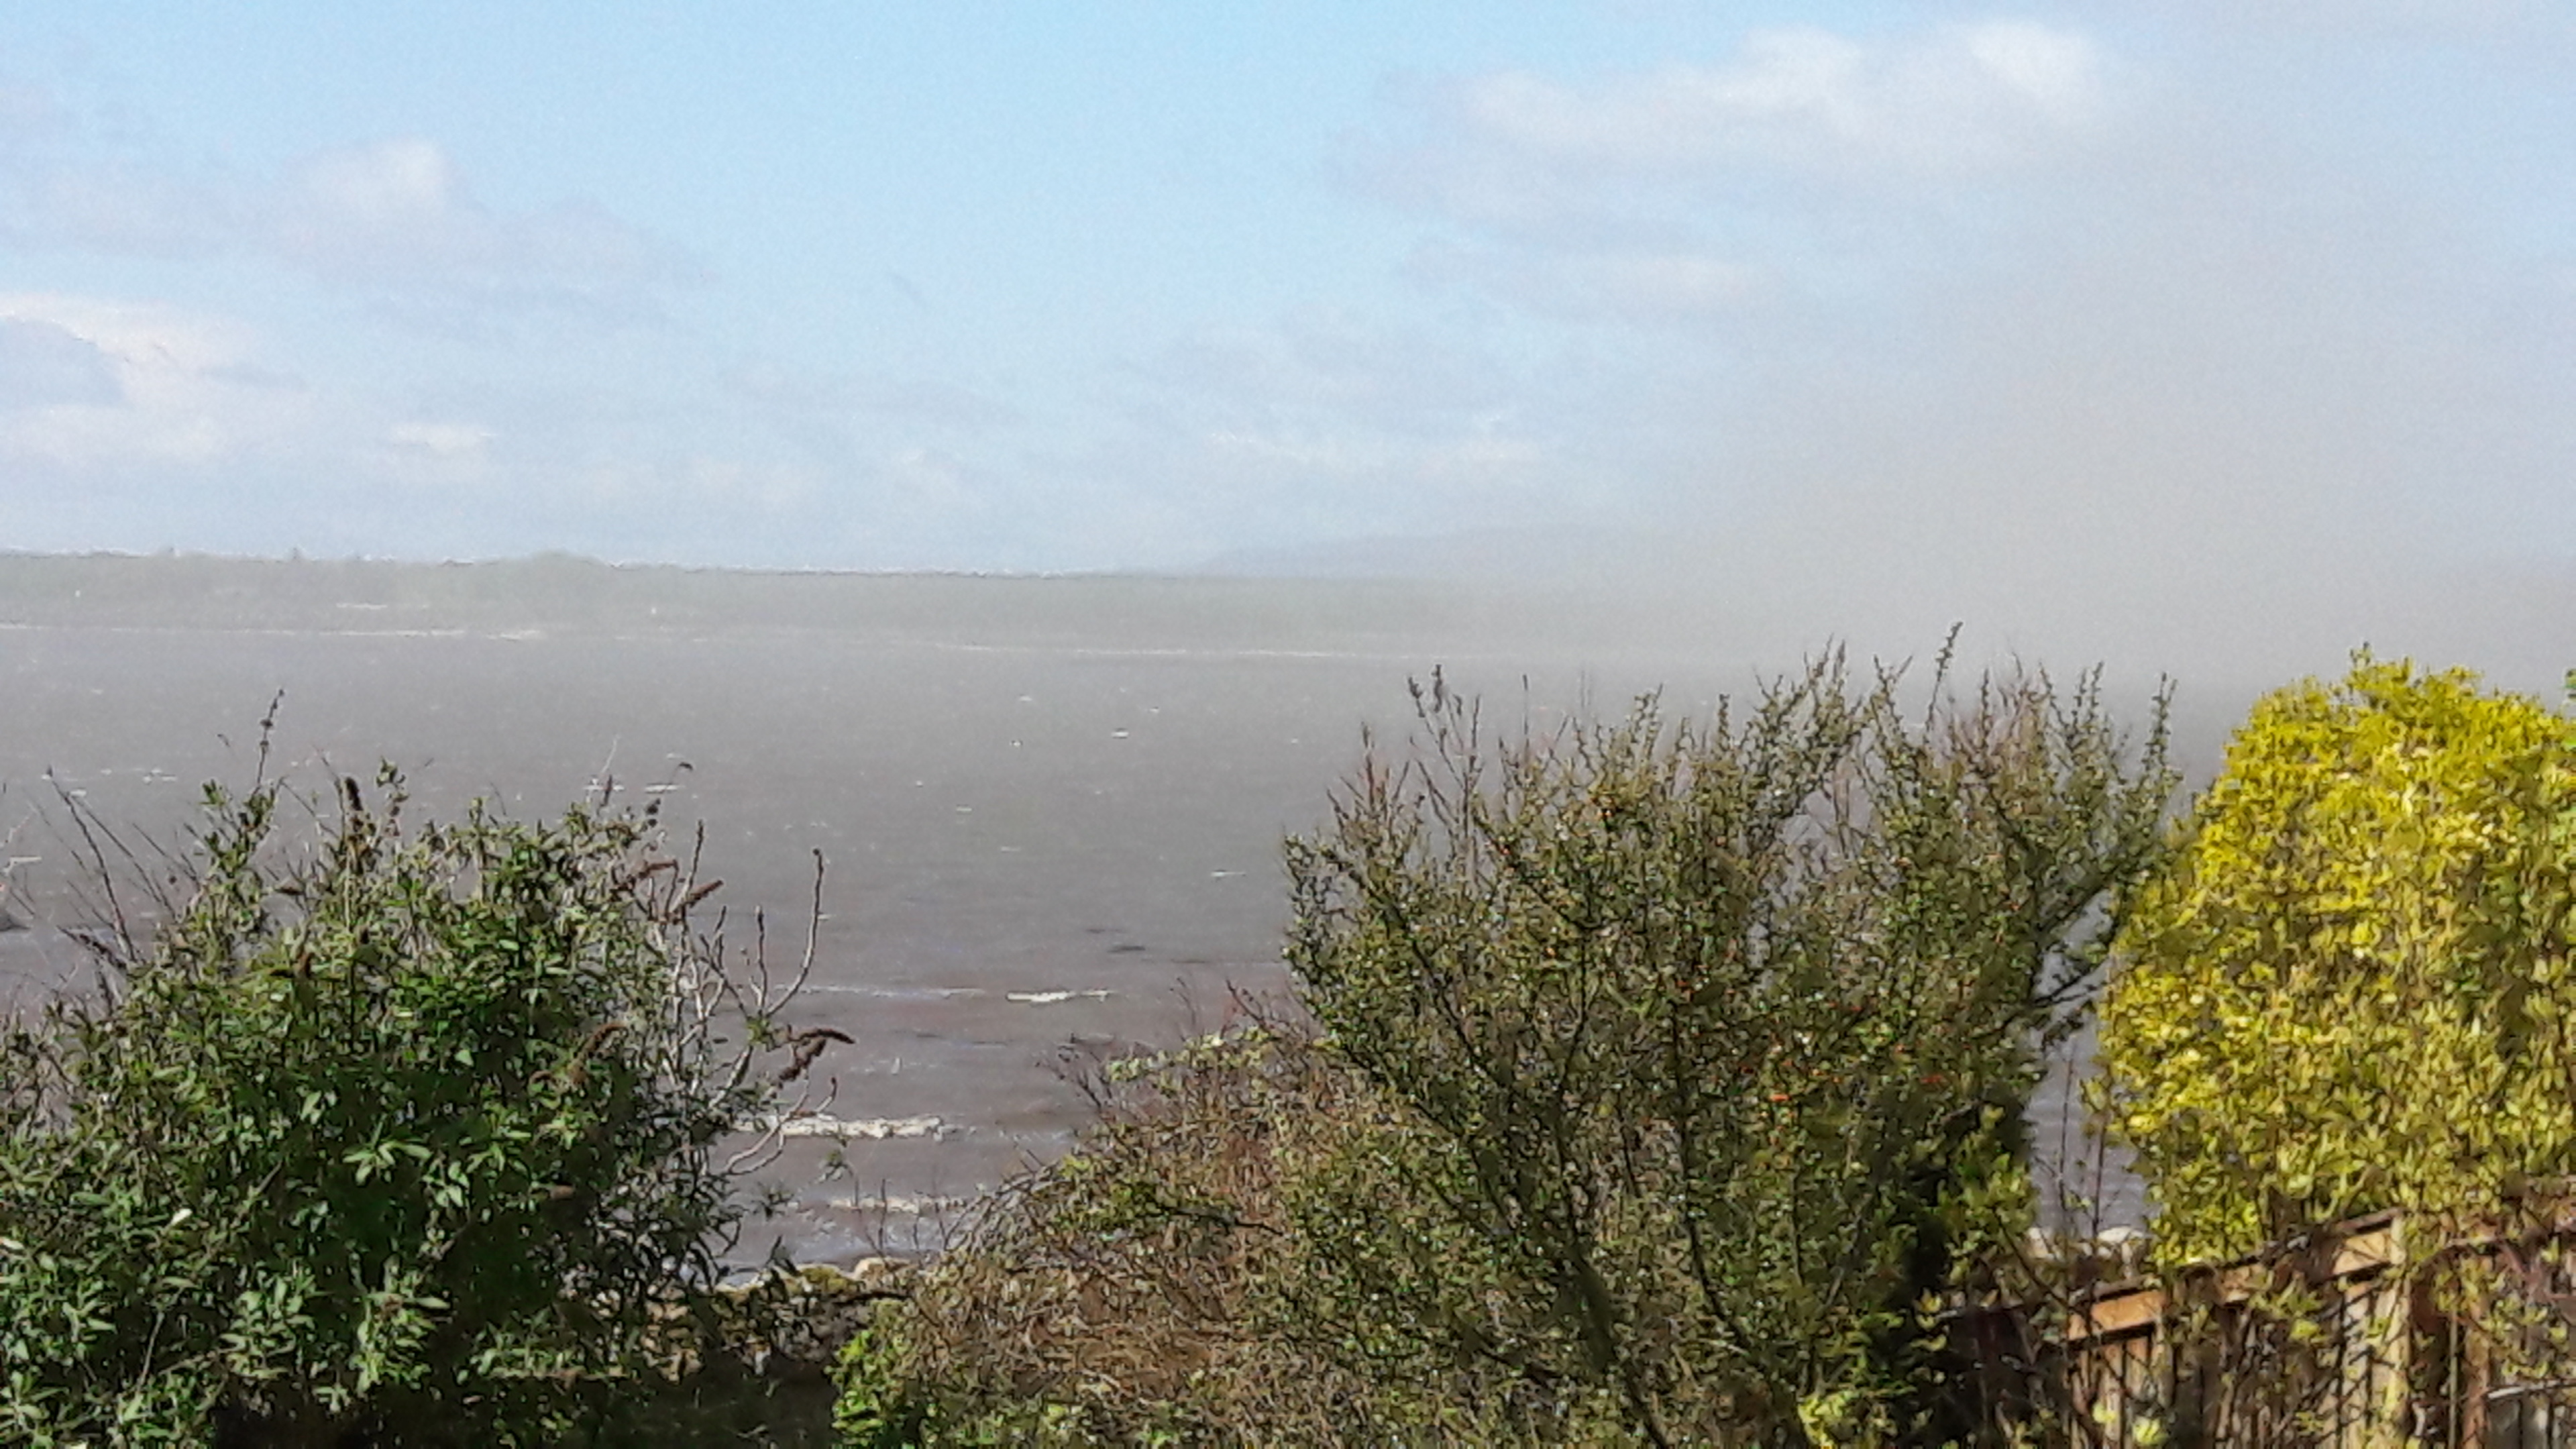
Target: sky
{"points": [[2210, 310]]}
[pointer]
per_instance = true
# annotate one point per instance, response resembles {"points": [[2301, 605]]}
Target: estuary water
{"points": [[1034, 844]]}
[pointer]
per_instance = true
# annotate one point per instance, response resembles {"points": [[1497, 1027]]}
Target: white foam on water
{"points": [[1050, 998], [876, 1129], [897, 993], [904, 1204]]}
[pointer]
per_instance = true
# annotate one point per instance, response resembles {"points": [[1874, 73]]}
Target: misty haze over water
{"points": [[1051, 807]]}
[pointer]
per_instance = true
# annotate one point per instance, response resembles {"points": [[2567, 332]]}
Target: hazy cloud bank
{"points": [[1999, 322]]}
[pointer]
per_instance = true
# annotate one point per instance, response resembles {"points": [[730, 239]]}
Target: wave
{"points": [[875, 1129], [905, 1204]]}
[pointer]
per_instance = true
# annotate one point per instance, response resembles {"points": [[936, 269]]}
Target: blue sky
{"points": [[2170, 294]]}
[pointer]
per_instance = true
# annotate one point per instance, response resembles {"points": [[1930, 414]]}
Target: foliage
{"points": [[1159, 1285], [1714, 1034], [411, 1136], [1665, 1073], [2350, 987]]}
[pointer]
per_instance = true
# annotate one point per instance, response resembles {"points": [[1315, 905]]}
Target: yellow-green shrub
{"points": [[2350, 988]]}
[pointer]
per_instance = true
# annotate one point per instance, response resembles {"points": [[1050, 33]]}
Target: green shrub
{"points": [[407, 1136], [1717, 1040], [2351, 987], [1158, 1286], [1662, 1075]]}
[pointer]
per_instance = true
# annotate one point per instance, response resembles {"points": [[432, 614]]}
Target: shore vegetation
{"points": [[381, 1133], [1646, 1083]]}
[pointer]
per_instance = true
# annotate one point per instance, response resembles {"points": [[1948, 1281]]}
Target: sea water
{"points": [[1037, 849]]}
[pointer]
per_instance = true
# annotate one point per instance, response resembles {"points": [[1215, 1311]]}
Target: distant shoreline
{"points": [[561, 595]]}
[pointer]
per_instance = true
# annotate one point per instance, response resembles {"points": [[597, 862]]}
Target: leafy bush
{"points": [[2350, 988], [1663, 1074], [414, 1136], [1720, 1038], [1159, 1285]]}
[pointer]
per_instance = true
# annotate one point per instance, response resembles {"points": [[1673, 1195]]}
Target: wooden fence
{"points": [[2350, 1339]]}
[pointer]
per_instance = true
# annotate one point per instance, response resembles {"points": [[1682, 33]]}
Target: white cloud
{"points": [[401, 210], [167, 386], [1972, 97], [391, 186], [44, 364], [1675, 287], [2059, 73], [394, 216], [2404, 20], [448, 441], [1805, 160]]}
